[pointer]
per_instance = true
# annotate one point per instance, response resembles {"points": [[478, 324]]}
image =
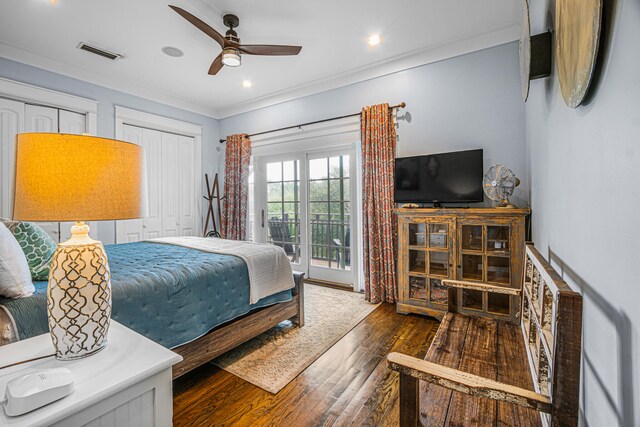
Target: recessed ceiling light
{"points": [[172, 51], [247, 83], [374, 40]]}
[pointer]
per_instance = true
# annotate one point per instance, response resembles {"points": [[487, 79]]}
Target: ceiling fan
{"points": [[230, 42]]}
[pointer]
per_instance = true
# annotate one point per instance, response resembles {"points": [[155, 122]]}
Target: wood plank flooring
{"points": [[348, 385]]}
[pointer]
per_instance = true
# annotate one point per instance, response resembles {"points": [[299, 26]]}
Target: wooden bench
{"points": [[480, 371]]}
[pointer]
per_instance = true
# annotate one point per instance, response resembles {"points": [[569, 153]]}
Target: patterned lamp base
{"points": [[79, 296]]}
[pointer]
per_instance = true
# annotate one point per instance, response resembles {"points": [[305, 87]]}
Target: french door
{"points": [[303, 204]]}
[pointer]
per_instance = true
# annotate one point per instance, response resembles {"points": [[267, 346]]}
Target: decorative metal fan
{"points": [[499, 183], [230, 42]]}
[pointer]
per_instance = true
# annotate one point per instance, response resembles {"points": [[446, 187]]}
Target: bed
{"points": [[193, 301]]}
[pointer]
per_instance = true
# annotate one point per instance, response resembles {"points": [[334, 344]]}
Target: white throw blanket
{"points": [[269, 268]]}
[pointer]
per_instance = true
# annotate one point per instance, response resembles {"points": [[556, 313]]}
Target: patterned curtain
{"points": [[379, 221], [236, 187]]}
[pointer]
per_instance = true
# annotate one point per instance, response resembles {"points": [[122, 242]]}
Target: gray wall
{"points": [[471, 101], [107, 99], [585, 193]]}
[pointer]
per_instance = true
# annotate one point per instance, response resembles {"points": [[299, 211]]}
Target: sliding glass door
{"points": [[303, 204], [329, 218]]}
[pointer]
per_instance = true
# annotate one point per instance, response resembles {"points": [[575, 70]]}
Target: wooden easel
{"points": [[212, 193]]}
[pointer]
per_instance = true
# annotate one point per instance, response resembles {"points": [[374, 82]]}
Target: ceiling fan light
{"points": [[231, 57]]}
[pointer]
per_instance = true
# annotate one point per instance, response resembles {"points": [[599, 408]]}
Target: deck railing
{"points": [[330, 238]]}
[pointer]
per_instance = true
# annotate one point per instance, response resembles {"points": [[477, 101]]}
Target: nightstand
{"points": [[126, 384]]}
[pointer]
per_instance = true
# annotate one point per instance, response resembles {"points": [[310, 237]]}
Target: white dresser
{"points": [[126, 384]]}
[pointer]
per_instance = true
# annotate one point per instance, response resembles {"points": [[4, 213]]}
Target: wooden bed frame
{"points": [[232, 334]]}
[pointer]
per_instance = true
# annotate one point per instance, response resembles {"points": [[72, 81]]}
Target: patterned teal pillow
{"points": [[37, 246]]}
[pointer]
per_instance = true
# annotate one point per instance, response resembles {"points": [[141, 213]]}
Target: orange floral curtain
{"points": [[236, 187], [379, 221]]}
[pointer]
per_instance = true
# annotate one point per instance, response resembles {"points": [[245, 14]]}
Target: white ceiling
{"points": [[333, 34]]}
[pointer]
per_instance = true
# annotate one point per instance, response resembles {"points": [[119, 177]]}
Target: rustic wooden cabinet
{"points": [[484, 245]]}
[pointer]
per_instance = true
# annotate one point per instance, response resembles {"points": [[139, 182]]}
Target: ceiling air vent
{"points": [[98, 51]]}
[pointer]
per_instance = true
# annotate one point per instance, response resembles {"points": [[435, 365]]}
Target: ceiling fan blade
{"points": [[216, 65], [201, 25], [266, 49]]}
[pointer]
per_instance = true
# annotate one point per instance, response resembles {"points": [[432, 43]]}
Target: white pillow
{"points": [[15, 278]]}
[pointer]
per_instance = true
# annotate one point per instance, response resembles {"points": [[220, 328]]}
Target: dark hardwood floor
{"points": [[348, 385]]}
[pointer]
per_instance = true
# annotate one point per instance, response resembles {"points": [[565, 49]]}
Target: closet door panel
{"points": [[73, 123], [170, 185], [130, 230], [152, 143], [187, 187], [43, 119], [11, 123]]}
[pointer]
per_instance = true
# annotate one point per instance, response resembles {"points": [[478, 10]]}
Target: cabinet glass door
{"points": [[485, 257], [485, 253], [430, 260], [440, 261]]}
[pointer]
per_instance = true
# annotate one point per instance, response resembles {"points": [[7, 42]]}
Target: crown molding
{"points": [[52, 65], [430, 54], [495, 37]]}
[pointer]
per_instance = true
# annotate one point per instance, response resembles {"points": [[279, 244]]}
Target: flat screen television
{"points": [[440, 178]]}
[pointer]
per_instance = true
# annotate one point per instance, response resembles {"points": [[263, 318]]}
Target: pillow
{"points": [[37, 246], [15, 277]]}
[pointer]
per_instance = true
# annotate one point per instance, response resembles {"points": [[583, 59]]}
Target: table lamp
{"points": [[78, 178]]}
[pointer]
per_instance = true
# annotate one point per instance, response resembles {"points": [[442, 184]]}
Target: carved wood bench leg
{"points": [[409, 401]]}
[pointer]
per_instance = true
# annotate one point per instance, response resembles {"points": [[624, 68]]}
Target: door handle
{"points": [[262, 218]]}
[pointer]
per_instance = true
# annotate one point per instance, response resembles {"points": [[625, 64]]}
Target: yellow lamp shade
{"points": [[62, 177]]}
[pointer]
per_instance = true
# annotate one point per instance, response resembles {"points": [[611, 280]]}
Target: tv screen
{"points": [[440, 178]]}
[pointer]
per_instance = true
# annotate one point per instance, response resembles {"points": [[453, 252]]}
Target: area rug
{"points": [[272, 360]]}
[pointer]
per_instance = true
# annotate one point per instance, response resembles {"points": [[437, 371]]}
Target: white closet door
{"points": [[187, 190], [130, 230], [152, 143], [43, 119], [11, 123], [73, 123], [170, 184]]}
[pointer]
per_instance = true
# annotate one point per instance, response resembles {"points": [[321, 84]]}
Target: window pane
{"points": [[318, 169], [319, 208], [334, 167], [334, 190], [336, 208], [345, 166], [275, 209], [274, 192], [288, 170], [290, 210], [318, 190], [346, 190], [274, 172], [290, 193]]}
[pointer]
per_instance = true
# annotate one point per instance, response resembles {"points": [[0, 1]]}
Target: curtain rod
{"points": [[401, 105]]}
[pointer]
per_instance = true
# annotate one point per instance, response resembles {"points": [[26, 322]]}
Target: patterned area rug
{"points": [[272, 360]]}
